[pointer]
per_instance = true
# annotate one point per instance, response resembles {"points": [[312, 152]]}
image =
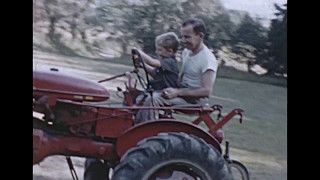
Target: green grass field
{"points": [[264, 128]]}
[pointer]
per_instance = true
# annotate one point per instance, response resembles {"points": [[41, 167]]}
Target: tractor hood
{"points": [[65, 86]]}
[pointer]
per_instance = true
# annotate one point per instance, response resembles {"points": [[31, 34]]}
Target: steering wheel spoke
{"points": [[137, 62]]}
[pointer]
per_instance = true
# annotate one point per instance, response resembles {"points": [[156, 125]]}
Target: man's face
{"points": [[189, 39]]}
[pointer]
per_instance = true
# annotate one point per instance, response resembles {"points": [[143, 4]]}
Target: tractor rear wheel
{"points": [[172, 156]]}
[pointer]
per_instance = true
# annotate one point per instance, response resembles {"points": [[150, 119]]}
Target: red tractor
{"points": [[74, 123]]}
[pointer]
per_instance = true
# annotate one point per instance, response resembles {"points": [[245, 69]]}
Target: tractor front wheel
{"points": [[94, 169], [239, 171], [172, 156]]}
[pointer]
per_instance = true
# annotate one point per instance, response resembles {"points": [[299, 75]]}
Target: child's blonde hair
{"points": [[168, 40]]}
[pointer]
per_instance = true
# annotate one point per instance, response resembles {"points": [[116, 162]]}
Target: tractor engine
{"points": [[67, 103]]}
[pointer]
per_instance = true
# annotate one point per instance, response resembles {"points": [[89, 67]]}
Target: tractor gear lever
{"points": [[71, 167]]}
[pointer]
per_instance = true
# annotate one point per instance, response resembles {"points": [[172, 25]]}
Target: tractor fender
{"points": [[132, 136]]}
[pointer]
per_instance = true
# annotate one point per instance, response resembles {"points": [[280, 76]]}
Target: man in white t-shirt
{"points": [[197, 76]]}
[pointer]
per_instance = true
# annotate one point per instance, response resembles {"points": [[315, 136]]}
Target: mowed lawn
{"points": [[264, 126]]}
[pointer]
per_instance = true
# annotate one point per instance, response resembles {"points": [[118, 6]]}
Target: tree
{"points": [[219, 30], [250, 32], [143, 22], [250, 40], [277, 36]]}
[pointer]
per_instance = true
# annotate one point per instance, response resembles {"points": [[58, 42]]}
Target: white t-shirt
{"points": [[193, 67]]}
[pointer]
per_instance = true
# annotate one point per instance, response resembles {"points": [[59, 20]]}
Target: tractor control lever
{"points": [[239, 112], [218, 108], [226, 155], [227, 118], [71, 167], [116, 76]]}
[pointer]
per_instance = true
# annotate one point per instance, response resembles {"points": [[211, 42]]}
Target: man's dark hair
{"points": [[198, 25]]}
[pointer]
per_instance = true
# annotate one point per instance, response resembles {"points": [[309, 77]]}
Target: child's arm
{"points": [[149, 60], [149, 68]]}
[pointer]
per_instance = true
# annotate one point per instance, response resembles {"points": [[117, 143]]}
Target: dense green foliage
{"points": [[75, 29], [277, 37]]}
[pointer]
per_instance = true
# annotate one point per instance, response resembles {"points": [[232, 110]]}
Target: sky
{"points": [[257, 8]]}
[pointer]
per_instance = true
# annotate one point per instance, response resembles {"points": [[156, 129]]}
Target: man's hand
{"points": [[204, 91], [170, 93]]}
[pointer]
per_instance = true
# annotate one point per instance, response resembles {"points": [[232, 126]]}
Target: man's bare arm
{"points": [[204, 91]]}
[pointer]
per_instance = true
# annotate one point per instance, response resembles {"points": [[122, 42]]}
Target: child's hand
{"points": [[139, 65], [135, 58], [134, 50]]}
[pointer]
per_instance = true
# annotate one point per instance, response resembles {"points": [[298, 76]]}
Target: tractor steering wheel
{"points": [[137, 61]]}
